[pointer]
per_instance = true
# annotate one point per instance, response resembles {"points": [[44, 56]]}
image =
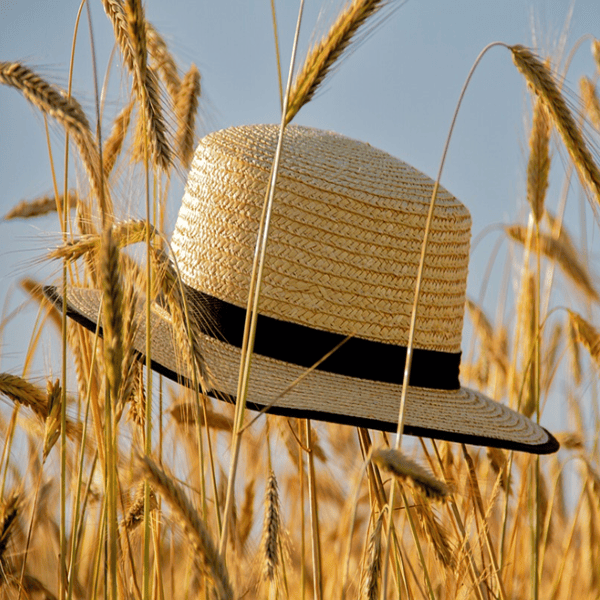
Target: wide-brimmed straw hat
{"points": [[342, 256]]}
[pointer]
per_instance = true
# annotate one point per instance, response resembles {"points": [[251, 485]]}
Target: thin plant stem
{"points": [[252, 308], [418, 282], [415, 537], [314, 515], [277, 53], [62, 585]]}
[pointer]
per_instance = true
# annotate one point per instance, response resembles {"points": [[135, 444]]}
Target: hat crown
{"points": [[344, 241]]}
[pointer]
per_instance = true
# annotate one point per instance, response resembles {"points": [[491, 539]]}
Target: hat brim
{"points": [[461, 415]]}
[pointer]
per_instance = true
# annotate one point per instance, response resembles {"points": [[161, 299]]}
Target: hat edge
{"points": [[548, 447]]}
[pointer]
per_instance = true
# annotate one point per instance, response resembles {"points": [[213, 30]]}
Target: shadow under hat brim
{"points": [[463, 416]]}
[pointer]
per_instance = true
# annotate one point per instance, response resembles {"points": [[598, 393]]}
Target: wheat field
{"points": [[121, 484]]}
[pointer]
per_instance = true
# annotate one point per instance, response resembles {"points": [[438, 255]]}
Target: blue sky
{"points": [[397, 90]]}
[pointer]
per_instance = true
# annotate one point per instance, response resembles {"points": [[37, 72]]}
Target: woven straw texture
{"points": [[344, 241]]}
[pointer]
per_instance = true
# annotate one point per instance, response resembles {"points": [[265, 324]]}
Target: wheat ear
{"points": [[562, 253], [8, 519], [271, 531], [163, 60], [112, 304], [26, 209], [373, 571], [323, 56], [66, 111], [123, 234], [114, 142], [538, 166], [590, 100], [130, 32], [405, 469], [586, 334], [186, 108], [539, 76], [206, 555]]}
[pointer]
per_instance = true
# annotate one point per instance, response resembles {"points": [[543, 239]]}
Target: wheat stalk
{"points": [[541, 79], [323, 56]]}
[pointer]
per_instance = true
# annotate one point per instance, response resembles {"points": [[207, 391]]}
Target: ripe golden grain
{"points": [[539, 76], [405, 469]]}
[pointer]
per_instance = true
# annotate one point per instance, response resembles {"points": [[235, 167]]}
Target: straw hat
{"points": [[342, 258]]}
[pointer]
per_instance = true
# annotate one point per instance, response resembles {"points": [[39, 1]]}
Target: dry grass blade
{"points": [[8, 519], [124, 234], [206, 555], [373, 571], [66, 111], [538, 167], [114, 142], [541, 79], [322, 57], [405, 469], [271, 529], [162, 60], [561, 253], [39, 206], [590, 100], [186, 107]]}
